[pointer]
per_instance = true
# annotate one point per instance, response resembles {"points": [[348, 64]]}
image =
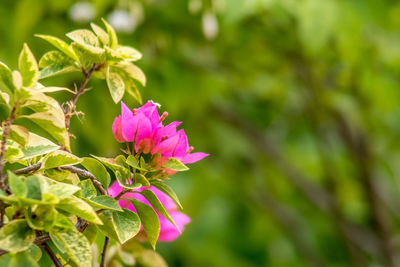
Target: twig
{"points": [[71, 105], [53, 257], [88, 175], [123, 191], [6, 132], [103, 254]]}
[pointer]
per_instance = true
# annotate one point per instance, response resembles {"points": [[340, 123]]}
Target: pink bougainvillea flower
{"points": [[168, 231], [144, 127]]}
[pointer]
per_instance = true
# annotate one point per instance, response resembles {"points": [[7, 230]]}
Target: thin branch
{"points": [[71, 105], [6, 132], [103, 254], [53, 257], [88, 175], [123, 192]]}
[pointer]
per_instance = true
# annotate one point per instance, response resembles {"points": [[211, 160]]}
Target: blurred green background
{"points": [[297, 101]]}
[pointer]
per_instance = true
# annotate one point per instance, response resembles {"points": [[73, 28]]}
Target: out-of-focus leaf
{"points": [[17, 185], [19, 134], [22, 259], [113, 41], [16, 236]]}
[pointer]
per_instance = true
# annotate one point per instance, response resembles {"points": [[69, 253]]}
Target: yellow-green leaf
{"points": [[28, 67], [59, 44], [115, 85]]}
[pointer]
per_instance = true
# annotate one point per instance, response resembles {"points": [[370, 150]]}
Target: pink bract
{"points": [[144, 127], [168, 230]]}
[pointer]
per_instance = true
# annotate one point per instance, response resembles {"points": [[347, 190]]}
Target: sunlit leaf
{"points": [[28, 67]]}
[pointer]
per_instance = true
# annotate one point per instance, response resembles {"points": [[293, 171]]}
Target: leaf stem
{"points": [[103, 254]]}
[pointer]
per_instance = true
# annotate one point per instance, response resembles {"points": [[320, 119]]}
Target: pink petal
{"points": [[144, 129], [193, 157], [182, 146], [117, 130], [166, 147], [168, 231], [129, 124]]}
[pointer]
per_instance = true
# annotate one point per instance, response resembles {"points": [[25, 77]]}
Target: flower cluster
{"points": [[168, 231], [144, 127]]}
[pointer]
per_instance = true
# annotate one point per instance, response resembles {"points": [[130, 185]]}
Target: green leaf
{"points": [[88, 189], [104, 202], [115, 85], [126, 223], [113, 41], [157, 205], [113, 165], [113, 55], [5, 107], [88, 55], [54, 63], [101, 34], [35, 252], [56, 69], [13, 152], [17, 185], [17, 79], [19, 134], [84, 37], [149, 219], [108, 228], [149, 258], [51, 124], [126, 182], [22, 259], [60, 158], [38, 146], [175, 165], [168, 191], [141, 179], [60, 45], [80, 208], [6, 76], [129, 53], [36, 185], [76, 245], [132, 89], [132, 161], [98, 170], [132, 71], [16, 236], [63, 221], [53, 89], [28, 67], [41, 217], [62, 190]]}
